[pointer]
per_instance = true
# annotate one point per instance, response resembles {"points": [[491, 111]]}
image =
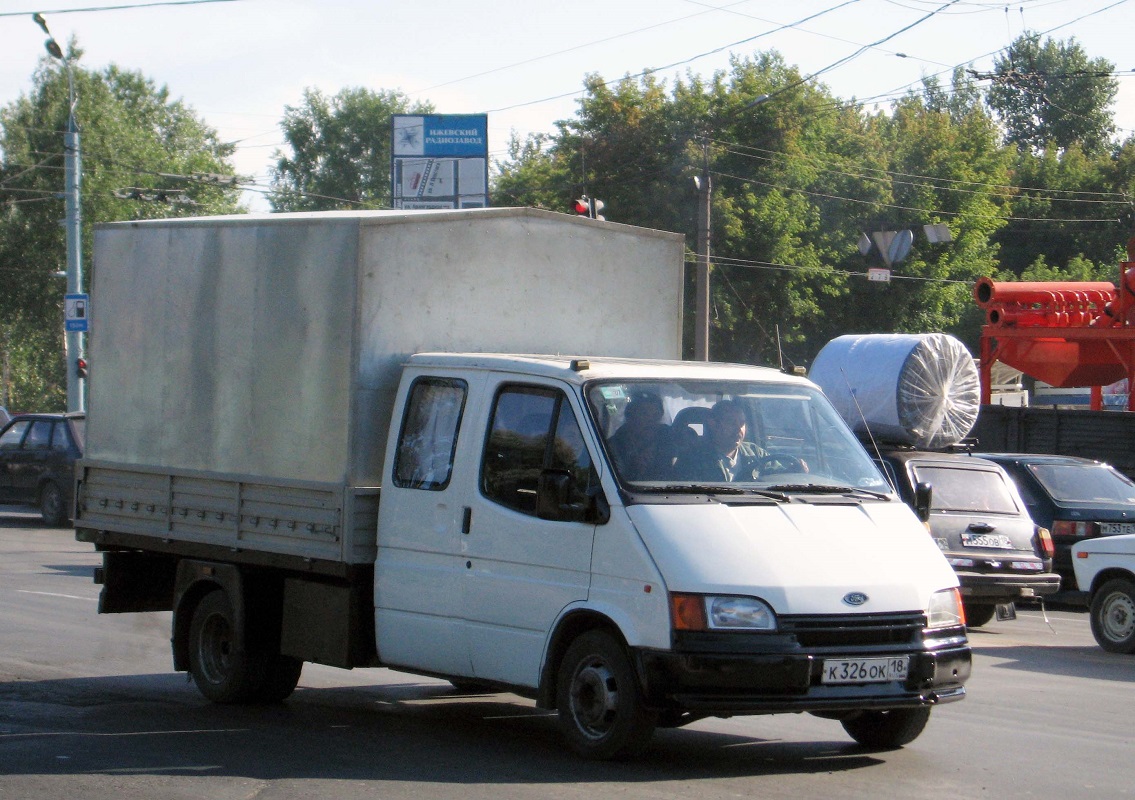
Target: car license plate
{"points": [[865, 670], [998, 541], [1116, 528]]}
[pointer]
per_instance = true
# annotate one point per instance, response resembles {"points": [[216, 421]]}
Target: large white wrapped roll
{"points": [[916, 389]]}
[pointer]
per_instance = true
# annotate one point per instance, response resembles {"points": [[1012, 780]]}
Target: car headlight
{"points": [[945, 610], [699, 612]]}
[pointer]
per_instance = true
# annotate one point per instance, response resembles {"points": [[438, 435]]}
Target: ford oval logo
{"points": [[855, 598]]}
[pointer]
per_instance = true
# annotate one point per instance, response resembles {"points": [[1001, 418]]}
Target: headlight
{"points": [[945, 610], [697, 612]]}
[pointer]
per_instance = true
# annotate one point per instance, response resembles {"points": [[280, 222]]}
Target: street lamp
{"points": [[73, 338], [704, 185]]}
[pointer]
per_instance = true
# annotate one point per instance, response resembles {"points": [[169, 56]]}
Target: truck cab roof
{"points": [[578, 369]]}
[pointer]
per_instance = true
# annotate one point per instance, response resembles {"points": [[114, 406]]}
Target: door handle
{"points": [[980, 527], [466, 519]]}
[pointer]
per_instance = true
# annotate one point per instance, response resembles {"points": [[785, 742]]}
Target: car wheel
{"points": [[221, 666], [978, 614], [884, 730], [600, 703], [51, 505], [1113, 616]]}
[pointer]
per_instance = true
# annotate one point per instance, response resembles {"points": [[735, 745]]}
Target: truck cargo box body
{"points": [[265, 349]]}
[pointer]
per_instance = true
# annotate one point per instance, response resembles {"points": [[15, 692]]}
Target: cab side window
{"points": [[428, 439], [533, 430]]}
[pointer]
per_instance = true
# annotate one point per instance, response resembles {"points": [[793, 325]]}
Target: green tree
{"points": [[1052, 93], [944, 165], [136, 143], [797, 175], [1069, 205], [340, 150]]}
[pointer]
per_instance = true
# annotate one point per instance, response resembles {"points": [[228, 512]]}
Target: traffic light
{"points": [[588, 207], [81, 367]]}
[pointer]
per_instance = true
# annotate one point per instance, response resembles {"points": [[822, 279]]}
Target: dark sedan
{"points": [[980, 523], [1075, 498], [37, 462]]}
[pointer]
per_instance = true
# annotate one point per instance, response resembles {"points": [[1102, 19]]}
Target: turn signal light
{"points": [[688, 612]]}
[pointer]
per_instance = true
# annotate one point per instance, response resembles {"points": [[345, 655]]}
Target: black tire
{"points": [[280, 676], [978, 614], [885, 730], [51, 505], [221, 666], [1113, 616], [599, 699]]}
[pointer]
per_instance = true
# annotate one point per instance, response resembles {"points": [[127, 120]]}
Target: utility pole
{"points": [[704, 184], [701, 303], [73, 171]]}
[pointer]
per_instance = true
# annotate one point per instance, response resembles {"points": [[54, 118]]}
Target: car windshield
{"points": [[723, 436], [1084, 483], [966, 490]]}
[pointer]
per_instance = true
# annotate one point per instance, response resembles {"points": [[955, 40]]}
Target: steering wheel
{"points": [[781, 462]]}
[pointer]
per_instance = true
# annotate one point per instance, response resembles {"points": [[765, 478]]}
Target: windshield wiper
{"points": [[820, 488], [717, 488]]}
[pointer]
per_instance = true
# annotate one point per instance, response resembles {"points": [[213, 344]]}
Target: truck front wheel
{"points": [[1113, 616], [599, 699], [883, 730], [221, 666]]}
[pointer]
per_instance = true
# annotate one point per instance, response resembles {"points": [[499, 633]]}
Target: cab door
{"points": [[526, 559], [419, 569]]}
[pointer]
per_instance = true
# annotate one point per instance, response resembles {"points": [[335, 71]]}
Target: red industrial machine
{"points": [[1066, 334]]}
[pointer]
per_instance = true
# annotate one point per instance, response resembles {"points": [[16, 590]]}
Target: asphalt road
{"points": [[90, 709]]}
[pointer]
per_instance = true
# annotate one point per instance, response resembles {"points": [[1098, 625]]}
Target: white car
{"points": [[1105, 569]]}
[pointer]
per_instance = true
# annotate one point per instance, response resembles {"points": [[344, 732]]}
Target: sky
{"points": [[239, 63]]}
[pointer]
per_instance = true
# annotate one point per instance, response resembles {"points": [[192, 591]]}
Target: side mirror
{"points": [[554, 493], [923, 492]]}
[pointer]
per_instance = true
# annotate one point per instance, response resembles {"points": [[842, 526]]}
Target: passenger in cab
{"points": [[642, 445]]}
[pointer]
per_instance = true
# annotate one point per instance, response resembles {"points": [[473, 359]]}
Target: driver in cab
{"points": [[722, 454]]}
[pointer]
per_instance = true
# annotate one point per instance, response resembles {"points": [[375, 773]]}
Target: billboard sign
{"points": [[440, 160]]}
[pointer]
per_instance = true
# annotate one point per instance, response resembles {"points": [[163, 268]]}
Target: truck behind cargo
{"points": [[317, 437]]}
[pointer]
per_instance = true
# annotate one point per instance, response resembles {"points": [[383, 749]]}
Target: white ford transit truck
{"points": [[463, 444]]}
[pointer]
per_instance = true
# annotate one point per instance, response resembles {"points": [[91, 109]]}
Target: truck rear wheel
{"points": [[279, 679], [599, 700], [884, 730], [221, 666], [1113, 616]]}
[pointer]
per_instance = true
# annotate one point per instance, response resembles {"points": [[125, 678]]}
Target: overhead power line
{"points": [[931, 211], [113, 8]]}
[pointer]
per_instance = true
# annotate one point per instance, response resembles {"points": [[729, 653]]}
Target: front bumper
{"points": [[709, 677]]}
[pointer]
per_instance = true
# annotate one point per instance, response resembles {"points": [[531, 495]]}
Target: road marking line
{"points": [[55, 594]]}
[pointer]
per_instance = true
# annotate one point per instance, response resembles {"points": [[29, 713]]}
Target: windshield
{"points": [[1084, 483], [667, 435]]}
